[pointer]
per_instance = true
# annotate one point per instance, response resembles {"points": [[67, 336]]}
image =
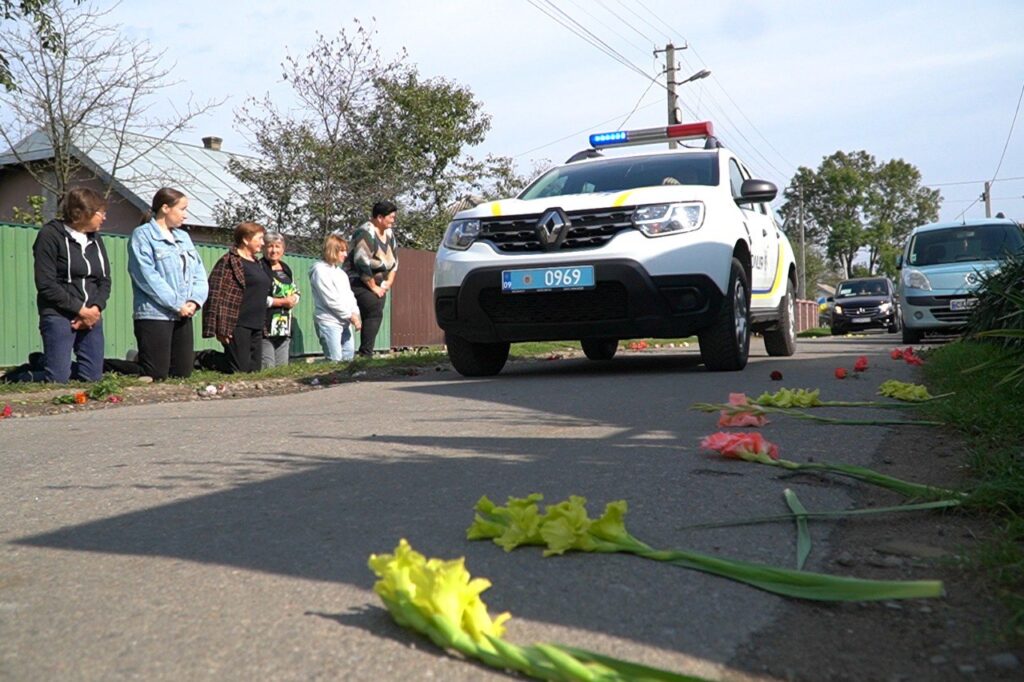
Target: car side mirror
{"points": [[899, 262], [756, 192], [830, 299]]}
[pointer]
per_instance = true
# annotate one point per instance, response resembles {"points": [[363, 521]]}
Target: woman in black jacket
{"points": [[72, 276]]}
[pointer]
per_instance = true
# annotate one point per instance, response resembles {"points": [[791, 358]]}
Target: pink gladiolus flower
{"points": [[746, 446], [913, 359], [738, 399], [861, 364], [741, 419], [896, 354]]}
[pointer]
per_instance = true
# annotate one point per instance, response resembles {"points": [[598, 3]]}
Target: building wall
{"points": [[17, 185]]}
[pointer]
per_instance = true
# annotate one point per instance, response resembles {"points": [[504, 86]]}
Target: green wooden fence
{"points": [[19, 321]]}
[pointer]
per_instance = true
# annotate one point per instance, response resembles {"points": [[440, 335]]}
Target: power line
{"points": [[590, 37], [580, 132], [626, 23], [624, 38], [637, 15], [1009, 134], [972, 182]]}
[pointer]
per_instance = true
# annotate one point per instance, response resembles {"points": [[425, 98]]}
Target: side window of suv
{"points": [[735, 178]]}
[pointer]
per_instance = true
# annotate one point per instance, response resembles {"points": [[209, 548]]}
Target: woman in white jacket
{"points": [[335, 309]]}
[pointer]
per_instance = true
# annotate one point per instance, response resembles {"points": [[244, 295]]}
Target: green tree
{"points": [[85, 97], [851, 202], [37, 14], [367, 128]]}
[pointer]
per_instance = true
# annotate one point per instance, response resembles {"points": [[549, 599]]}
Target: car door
{"points": [[764, 238]]}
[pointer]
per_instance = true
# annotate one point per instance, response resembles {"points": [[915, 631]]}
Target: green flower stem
{"points": [[905, 488], [799, 584], [766, 409], [803, 534], [922, 506]]}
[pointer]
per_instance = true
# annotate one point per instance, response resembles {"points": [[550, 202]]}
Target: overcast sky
{"points": [[932, 82]]}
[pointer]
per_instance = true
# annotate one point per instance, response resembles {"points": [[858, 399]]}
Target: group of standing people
{"points": [[246, 301]]}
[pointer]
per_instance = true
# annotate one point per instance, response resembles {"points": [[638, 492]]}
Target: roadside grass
{"points": [[814, 332], [988, 413], [298, 369]]}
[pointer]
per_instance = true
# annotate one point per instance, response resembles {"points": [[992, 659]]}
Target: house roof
{"points": [[147, 164]]}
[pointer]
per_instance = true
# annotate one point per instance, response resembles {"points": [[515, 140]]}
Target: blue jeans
{"points": [[60, 340], [337, 341]]}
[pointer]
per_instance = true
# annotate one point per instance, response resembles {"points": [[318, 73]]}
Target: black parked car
{"points": [[865, 303]]}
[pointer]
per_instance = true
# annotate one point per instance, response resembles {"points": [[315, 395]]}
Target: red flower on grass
{"points": [[861, 365], [749, 446], [638, 345], [776, 375], [840, 372], [6, 412], [81, 398]]}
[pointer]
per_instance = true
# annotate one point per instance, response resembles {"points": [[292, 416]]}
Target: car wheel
{"points": [[911, 335], [600, 349], [782, 341], [476, 359], [896, 324], [836, 332], [725, 345]]}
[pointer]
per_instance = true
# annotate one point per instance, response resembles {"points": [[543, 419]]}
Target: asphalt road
{"points": [[229, 539]]}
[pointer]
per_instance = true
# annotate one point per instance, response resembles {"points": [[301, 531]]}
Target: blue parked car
{"points": [[940, 268]]}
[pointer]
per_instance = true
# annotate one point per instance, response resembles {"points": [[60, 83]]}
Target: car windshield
{"points": [[963, 244], [618, 174], [864, 287]]}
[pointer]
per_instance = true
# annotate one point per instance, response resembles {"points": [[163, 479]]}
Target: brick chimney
{"points": [[212, 142]]}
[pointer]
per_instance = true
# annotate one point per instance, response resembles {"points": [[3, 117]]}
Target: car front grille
{"points": [[953, 316], [859, 311], [607, 301], [587, 230]]}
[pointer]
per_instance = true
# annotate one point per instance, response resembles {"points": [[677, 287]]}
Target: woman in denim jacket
{"points": [[168, 286]]}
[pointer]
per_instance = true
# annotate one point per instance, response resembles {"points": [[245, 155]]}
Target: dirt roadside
{"points": [[958, 637]]}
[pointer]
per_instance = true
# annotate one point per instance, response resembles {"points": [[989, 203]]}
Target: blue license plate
{"points": [[548, 279]]}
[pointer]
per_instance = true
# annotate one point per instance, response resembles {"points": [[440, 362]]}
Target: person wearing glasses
{"points": [[72, 275]]}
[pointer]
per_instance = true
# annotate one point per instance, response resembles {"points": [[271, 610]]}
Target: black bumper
{"points": [[625, 303], [876, 321]]}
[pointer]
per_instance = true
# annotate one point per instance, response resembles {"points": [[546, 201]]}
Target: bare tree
{"points": [[94, 95]]}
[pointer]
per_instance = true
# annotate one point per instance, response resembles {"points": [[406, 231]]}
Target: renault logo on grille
{"points": [[971, 278], [552, 227]]}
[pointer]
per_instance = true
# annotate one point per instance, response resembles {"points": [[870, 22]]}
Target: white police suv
{"points": [[604, 248]]}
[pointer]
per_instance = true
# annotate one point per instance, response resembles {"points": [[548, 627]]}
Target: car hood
{"points": [[593, 200], [957, 276], [861, 301]]}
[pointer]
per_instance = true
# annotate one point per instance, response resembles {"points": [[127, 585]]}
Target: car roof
{"points": [[682, 150], [873, 278], [973, 222]]}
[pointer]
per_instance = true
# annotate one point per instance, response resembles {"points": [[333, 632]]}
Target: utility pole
{"points": [[803, 247], [670, 81], [988, 199]]}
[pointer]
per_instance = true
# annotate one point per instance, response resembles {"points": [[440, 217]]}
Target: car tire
{"points": [[911, 335], [476, 359], [896, 324], [725, 345], [781, 342], [599, 349], [836, 332]]}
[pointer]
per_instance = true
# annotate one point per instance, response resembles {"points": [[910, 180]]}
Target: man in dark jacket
{"points": [[72, 276]]}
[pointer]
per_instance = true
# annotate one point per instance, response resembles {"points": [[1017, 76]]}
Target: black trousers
{"points": [[165, 347], [245, 352], [371, 310]]}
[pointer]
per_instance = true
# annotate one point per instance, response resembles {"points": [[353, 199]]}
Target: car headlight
{"points": [[838, 309], [664, 219], [885, 307], [915, 279], [461, 234]]}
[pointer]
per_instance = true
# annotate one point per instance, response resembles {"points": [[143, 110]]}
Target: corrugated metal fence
{"points": [[19, 321]]}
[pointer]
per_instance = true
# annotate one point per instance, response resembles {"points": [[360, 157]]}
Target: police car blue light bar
{"points": [[680, 131]]}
